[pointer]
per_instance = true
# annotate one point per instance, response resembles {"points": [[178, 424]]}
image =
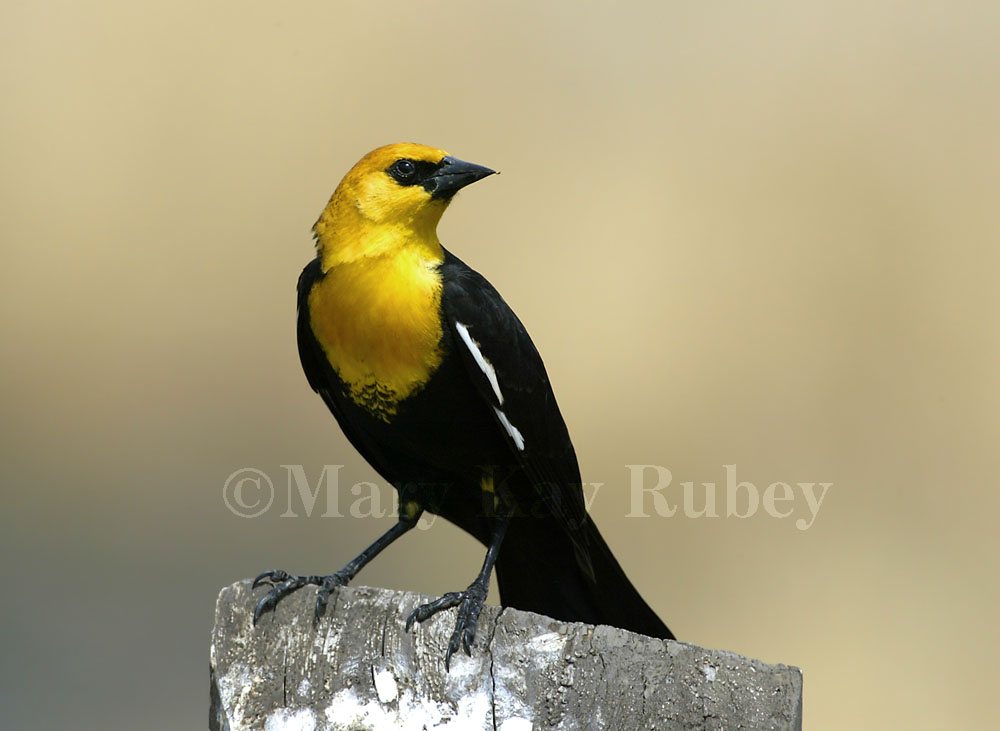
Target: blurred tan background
{"points": [[740, 233]]}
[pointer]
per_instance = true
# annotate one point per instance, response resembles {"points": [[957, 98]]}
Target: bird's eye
{"points": [[403, 170]]}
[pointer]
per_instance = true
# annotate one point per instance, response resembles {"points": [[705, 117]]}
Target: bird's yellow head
{"points": [[393, 197]]}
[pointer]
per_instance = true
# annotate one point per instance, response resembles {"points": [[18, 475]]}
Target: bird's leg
{"points": [[470, 602], [282, 583]]}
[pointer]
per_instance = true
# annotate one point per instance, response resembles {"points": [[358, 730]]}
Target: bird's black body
{"points": [[553, 560]]}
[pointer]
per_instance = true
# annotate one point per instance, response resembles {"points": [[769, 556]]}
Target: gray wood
{"points": [[359, 670]]}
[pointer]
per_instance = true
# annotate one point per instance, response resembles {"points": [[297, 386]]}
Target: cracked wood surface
{"points": [[358, 669]]}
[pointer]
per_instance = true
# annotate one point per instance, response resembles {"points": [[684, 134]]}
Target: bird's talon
{"points": [[282, 584], [259, 611], [273, 578], [470, 605], [326, 587]]}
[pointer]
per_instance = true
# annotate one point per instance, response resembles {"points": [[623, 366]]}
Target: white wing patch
{"points": [[484, 365], [511, 429]]}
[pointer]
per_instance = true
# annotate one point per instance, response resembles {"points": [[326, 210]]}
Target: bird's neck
{"points": [[379, 242], [346, 234]]}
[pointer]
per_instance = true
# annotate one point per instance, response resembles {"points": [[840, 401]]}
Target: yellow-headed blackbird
{"points": [[437, 384]]}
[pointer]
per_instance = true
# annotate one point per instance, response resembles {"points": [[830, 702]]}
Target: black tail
{"points": [[538, 571]]}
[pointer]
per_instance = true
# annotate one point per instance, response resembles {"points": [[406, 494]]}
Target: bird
{"points": [[437, 384]]}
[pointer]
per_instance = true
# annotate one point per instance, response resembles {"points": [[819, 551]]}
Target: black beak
{"points": [[452, 175]]}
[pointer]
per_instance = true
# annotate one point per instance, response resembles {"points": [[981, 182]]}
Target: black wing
{"points": [[510, 377]]}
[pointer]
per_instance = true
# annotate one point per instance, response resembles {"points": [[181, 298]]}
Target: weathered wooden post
{"points": [[359, 670]]}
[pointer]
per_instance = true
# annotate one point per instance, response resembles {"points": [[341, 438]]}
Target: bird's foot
{"points": [[470, 605], [282, 584]]}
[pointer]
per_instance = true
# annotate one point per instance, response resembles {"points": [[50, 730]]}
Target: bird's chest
{"points": [[379, 324]]}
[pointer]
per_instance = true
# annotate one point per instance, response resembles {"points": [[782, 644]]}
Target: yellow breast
{"points": [[378, 321]]}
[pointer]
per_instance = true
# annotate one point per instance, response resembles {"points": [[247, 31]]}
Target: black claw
{"points": [[267, 602], [323, 595], [471, 604], [453, 646], [270, 577], [257, 611], [270, 600], [282, 584], [426, 611]]}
